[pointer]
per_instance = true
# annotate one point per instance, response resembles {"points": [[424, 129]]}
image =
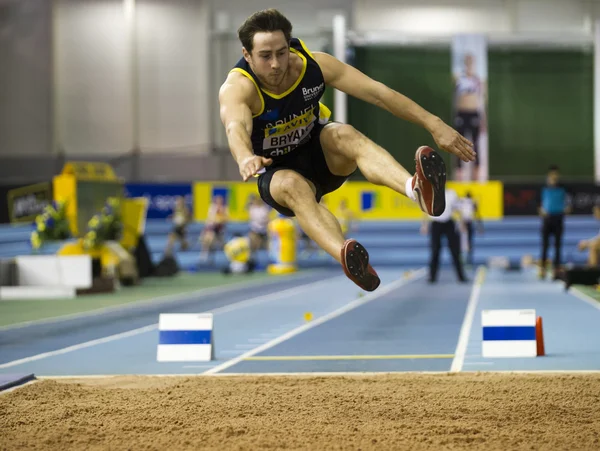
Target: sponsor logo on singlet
{"points": [[312, 93], [286, 134]]}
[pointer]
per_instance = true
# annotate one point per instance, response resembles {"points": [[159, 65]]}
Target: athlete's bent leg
{"points": [[345, 147], [289, 189]]}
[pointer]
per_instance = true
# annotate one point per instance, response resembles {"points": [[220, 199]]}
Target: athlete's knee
{"points": [[292, 188], [345, 134]]}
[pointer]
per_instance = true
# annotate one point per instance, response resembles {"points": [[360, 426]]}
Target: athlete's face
{"points": [[270, 57]]}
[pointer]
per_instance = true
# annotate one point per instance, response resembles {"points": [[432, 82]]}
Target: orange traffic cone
{"points": [[539, 337]]}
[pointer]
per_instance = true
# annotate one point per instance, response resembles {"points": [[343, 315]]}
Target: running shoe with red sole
{"points": [[429, 182], [355, 261]]}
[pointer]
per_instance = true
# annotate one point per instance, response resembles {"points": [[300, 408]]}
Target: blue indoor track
{"points": [[406, 325]]}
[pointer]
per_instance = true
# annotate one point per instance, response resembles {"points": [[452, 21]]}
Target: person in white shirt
{"points": [[259, 215], [444, 225]]}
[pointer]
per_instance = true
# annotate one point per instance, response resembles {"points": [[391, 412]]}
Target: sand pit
{"points": [[410, 411]]}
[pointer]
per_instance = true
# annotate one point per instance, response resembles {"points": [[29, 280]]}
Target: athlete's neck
{"points": [[279, 88]]}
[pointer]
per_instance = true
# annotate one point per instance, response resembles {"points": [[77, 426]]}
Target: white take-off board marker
{"points": [[512, 333], [185, 337]]}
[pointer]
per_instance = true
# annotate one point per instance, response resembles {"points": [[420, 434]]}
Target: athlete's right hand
{"points": [[251, 165]]}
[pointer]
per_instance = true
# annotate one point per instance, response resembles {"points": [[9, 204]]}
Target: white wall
{"points": [[25, 77], [431, 17], [305, 15], [173, 45], [553, 16], [116, 93], [552, 20], [93, 110]]}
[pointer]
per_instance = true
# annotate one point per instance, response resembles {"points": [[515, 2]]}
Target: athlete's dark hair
{"points": [[267, 20]]}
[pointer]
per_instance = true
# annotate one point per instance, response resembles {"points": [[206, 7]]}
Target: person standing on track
{"points": [[277, 128], [445, 225], [553, 208], [469, 213]]}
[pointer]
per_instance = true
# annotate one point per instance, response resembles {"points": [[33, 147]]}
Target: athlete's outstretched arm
{"points": [[236, 116], [355, 83]]}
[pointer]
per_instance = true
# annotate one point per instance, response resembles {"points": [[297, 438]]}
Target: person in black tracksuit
{"points": [[554, 206], [444, 225]]}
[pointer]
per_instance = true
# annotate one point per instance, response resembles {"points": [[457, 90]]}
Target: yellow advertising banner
{"points": [[365, 200]]}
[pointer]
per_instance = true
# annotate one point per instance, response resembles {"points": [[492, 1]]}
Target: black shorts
{"points": [[307, 160]]}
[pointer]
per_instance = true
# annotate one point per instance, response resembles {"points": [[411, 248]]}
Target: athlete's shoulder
{"points": [[237, 84], [299, 45]]}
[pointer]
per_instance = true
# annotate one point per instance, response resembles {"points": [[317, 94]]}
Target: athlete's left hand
{"points": [[452, 142]]}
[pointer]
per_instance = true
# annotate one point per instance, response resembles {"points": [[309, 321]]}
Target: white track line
{"points": [[351, 306], [584, 297], [465, 330], [141, 330], [157, 300]]}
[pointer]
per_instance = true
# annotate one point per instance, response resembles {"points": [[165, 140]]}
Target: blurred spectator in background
{"points": [[592, 245], [552, 210], [259, 215], [180, 219], [214, 229], [469, 213], [444, 225]]}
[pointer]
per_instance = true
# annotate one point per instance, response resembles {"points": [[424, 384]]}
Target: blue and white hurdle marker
{"points": [[512, 333], [186, 337]]}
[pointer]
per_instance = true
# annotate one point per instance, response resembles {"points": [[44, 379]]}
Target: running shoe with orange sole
{"points": [[355, 261], [429, 182]]}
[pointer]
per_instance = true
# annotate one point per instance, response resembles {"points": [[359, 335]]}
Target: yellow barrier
{"points": [[282, 246], [133, 217], [85, 186], [365, 200], [370, 202], [108, 258]]}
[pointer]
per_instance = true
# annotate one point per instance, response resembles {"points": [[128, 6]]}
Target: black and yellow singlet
{"points": [[286, 120]]}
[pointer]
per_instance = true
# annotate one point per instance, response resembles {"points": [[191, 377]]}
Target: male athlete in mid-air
{"points": [[276, 127]]}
